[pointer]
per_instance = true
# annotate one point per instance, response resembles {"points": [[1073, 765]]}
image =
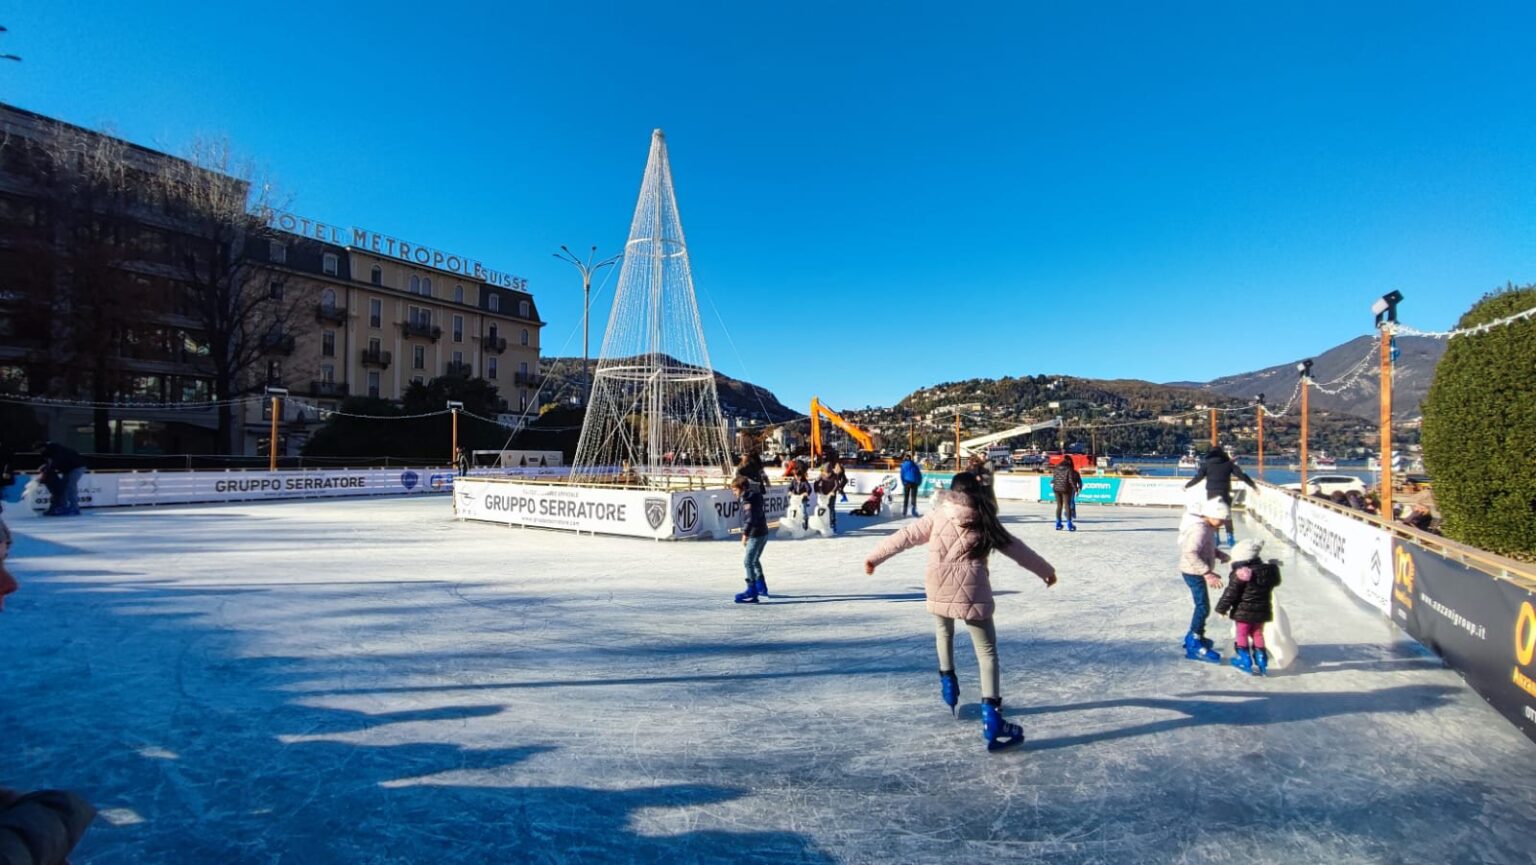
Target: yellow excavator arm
{"points": [[818, 410]]}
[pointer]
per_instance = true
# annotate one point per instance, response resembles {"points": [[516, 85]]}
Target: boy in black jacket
{"points": [[1249, 599]]}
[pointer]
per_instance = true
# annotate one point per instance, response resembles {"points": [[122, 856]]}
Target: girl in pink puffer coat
{"points": [[961, 530]]}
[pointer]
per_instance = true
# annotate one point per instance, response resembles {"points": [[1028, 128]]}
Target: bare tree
{"points": [[88, 304], [220, 204]]}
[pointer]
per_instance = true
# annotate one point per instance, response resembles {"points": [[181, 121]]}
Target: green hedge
{"points": [[1480, 429]]}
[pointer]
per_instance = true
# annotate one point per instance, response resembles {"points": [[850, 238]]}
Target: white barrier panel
{"points": [[609, 511], [1152, 491], [717, 513], [1357, 552], [110, 489]]}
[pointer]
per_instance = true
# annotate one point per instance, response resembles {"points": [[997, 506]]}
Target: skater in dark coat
{"points": [[1249, 599], [65, 467], [751, 468], [754, 536], [41, 828], [1066, 483], [1217, 470]]}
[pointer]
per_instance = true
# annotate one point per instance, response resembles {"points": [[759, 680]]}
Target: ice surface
{"points": [[369, 681]]}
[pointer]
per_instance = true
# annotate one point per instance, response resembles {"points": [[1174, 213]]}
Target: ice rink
{"points": [[374, 682]]}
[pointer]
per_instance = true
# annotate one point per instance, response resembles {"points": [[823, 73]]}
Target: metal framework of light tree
{"points": [[654, 407]]}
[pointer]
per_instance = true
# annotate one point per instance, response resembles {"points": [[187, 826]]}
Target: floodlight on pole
{"points": [[587, 268], [1386, 307]]}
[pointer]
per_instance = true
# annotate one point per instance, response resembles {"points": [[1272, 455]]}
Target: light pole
{"points": [[1305, 368], [1386, 321], [587, 268]]}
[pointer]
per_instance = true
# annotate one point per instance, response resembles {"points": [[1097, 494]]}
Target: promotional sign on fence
{"points": [[637, 513], [1485, 628], [1095, 491], [717, 513], [1357, 552], [111, 489]]}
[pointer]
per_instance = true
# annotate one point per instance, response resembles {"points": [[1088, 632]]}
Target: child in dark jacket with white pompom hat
{"points": [[1249, 598]]}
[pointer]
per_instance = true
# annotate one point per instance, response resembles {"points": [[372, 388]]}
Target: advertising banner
{"points": [[1152, 491], [636, 513], [1484, 627], [163, 488], [1357, 552], [1095, 491], [717, 513]]}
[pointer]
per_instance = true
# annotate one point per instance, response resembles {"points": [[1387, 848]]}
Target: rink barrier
{"points": [[1097, 489], [1477, 611], [107, 489], [639, 513]]}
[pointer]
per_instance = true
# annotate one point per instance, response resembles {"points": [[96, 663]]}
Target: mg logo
{"points": [[687, 515]]}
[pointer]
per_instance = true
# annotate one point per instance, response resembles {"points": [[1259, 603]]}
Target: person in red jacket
{"points": [[961, 530]]}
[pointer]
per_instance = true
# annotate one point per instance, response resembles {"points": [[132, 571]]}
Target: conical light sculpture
{"points": [[654, 410]]}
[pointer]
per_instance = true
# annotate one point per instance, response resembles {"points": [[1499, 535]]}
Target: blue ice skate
{"points": [[1058, 525], [1071, 526], [999, 733], [1261, 662], [1198, 648], [950, 687], [749, 596], [1243, 661], [760, 586]]}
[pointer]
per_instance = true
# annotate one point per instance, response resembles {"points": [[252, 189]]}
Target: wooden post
{"points": [[1261, 441], [453, 455], [1305, 382], [957, 441], [1213, 427], [272, 446], [1386, 422]]}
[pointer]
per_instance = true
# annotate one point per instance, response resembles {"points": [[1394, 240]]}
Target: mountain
{"points": [[738, 399], [1335, 369]]}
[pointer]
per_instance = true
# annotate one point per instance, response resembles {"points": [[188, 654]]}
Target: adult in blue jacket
{"points": [[911, 479]]}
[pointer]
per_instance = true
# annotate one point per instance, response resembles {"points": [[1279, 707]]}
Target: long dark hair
{"points": [[989, 529]]}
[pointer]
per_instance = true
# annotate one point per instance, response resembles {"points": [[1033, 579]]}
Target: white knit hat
{"points": [[1215, 509], [1246, 550]]}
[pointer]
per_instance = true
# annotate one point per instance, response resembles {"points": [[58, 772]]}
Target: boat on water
{"points": [[1324, 462], [1189, 460]]}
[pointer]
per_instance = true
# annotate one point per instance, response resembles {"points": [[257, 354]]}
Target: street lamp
{"points": [[277, 394], [587, 268], [1385, 310]]}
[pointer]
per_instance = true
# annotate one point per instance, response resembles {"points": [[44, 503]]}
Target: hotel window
{"points": [[328, 298], [493, 331], [522, 368], [274, 372], [373, 346], [458, 358], [329, 263], [426, 286], [416, 379], [419, 316], [458, 328], [375, 312], [419, 357], [458, 294], [328, 373], [490, 367], [373, 384], [522, 400], [275, 290], [525, 336], [494, 303], [415, 285], [328, 343], [277, 253], [522, 309], [376, 276]]}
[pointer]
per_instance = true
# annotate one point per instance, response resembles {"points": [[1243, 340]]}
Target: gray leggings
{"points": [[983, 639]]}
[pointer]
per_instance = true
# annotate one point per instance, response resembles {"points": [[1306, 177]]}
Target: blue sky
{"points": [[880, 196]]}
